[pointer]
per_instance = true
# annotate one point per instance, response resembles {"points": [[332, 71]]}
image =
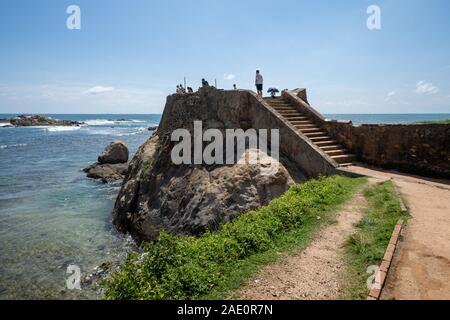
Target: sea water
{"points": [[51, 215]]}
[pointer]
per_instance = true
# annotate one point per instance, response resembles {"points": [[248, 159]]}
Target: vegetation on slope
{"points": [[368, 245], [214, 264], [446, 121]]}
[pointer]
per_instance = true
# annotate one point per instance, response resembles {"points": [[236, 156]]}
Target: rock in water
{"points": [[112, 164], [116, 152], [107, 172], [37, 120], [189, 199]]}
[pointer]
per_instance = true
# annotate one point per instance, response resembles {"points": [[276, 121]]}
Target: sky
{"points": [[129, 55]]}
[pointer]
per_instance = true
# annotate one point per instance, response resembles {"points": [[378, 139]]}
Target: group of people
{"points": [[259, 80], [181, 89]]}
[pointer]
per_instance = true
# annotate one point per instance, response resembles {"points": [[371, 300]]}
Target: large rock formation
{"points": [[158, 195], [116, 152], [112, 164]]}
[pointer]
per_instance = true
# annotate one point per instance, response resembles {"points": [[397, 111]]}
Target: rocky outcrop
{"points": [[116, 152], [107, 172], [189, 199], [37, 120], [112, 164]]}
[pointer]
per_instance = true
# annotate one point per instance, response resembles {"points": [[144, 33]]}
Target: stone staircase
{"points": [[309, 129]]}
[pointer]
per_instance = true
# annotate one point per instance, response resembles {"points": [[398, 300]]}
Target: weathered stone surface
{"points": [[415, 148], [116, 152], [112, 164], [159, 195], [107, 172]]}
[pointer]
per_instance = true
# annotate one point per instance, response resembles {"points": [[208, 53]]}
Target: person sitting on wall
{"points": [[205, 83]]}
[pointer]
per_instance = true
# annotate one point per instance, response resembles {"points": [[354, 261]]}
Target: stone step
{"points": [[273, 102], [324, 143], [337, 152], [275, 105], [296, 118], [285, 109], [346, 158], [304, 126], [291, 112], [310, 130], [346, 164], [322, 138], [280, 105], [331, 147], [315, 134], [302, 123]]}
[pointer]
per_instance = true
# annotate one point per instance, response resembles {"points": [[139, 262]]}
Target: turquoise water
{"points": [[52, 216]]}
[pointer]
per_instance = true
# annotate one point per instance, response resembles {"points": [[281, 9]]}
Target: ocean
{"points": [[52, 216]]}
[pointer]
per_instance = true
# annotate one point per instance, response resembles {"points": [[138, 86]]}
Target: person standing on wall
{"points": [[259, 83]]}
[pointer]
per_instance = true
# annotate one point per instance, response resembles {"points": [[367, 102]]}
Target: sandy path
{"points": [[314, 273], [421, 267]]}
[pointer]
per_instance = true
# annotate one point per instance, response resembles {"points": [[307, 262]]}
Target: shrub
{"points": [[186, 267]]}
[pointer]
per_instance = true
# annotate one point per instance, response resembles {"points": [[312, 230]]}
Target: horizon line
{"points": [[149, 114]]}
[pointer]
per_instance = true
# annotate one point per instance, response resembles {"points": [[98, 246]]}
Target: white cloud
{"points": [[79, 98], [99, 89], [229, 76], [391, 94], [426, 88]]}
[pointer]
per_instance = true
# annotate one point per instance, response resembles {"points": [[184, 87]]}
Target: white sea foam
{"points": [[4, 146], [138, 131], [105, 122], [106, 131], [62, 129], [99, 122], [4, 124]]}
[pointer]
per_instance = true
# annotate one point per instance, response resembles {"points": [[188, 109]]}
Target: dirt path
{"points": [[314, 273], [421, 267]]}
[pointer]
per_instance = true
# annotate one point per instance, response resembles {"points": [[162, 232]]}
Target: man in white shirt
{"points": [[259, 83]]}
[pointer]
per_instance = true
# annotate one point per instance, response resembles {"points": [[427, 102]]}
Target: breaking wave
{"points": [[5, 146]]}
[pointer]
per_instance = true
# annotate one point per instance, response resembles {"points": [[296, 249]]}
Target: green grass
{"points": [[213, 265], [446, 121], [367, 246]]}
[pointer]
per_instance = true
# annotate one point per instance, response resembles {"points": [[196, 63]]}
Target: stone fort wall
{"points": [[414, 148]]}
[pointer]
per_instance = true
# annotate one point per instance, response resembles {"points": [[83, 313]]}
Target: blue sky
{"points": [[129, 55]]}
